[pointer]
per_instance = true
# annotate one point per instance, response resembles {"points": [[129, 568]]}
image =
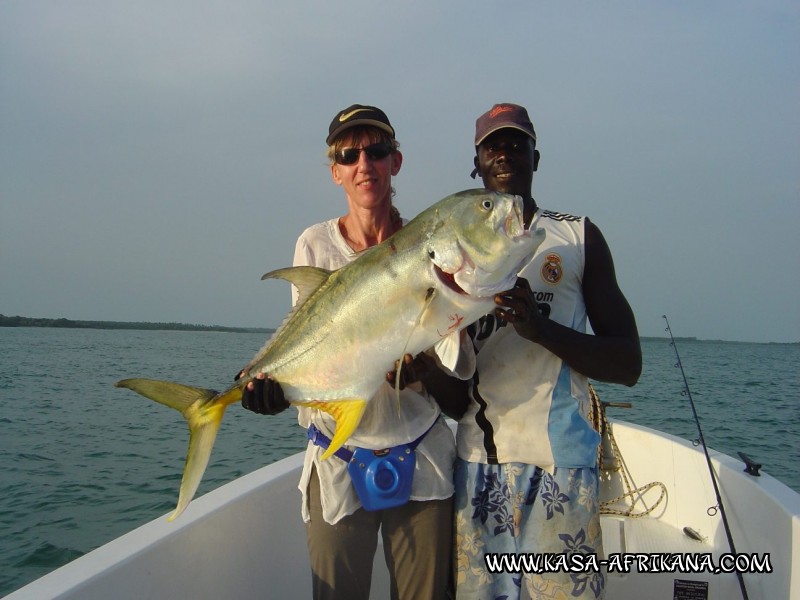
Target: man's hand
{"points": [[414, 369], [264, 395], [449, 392], [518, 307]]}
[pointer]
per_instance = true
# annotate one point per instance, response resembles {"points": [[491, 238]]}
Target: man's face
{"points": [[506, 161]]}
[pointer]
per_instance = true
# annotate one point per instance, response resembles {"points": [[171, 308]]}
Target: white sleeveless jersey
{"points": [[526, 404]]}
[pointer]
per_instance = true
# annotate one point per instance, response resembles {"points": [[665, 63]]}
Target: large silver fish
{"points": [[432, 278]]}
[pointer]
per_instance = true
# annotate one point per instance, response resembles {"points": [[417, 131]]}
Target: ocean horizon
{"points": [[82, 462]]}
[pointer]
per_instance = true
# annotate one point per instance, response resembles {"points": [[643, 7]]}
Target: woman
{"points": [[342, 535]]}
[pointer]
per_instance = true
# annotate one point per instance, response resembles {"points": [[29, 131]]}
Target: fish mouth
{"points": [[448, 279], [514, 224]]}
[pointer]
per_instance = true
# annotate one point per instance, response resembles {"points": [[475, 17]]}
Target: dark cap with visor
{"points": [[501, 116], [356, 115]]}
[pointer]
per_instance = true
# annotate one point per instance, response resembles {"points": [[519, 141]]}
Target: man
{"points": [[526, 475]]}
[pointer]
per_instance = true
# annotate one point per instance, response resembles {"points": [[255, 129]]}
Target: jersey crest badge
{"points": [[552, 271]]}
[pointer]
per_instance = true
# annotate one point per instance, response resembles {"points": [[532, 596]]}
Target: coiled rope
{"points": [[597, 417]]}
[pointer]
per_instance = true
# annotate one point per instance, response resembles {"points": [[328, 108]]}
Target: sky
{"points": [[157, 157]]}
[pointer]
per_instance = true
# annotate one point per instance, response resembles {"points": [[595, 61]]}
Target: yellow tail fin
{"points": [[203, 410]]}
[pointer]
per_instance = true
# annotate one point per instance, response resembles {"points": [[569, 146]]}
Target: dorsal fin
{"points": [[307, 280]]}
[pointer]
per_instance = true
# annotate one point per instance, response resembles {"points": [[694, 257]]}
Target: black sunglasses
{"points": [[350, 156]]}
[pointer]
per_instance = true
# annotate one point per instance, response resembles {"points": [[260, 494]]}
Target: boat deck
{"points": [[246, 539]]}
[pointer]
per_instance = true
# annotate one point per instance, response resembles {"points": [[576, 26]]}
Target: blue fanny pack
{"points": [[381, 478]]}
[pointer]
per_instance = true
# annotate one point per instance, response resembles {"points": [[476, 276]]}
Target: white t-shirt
{"points": [[322, 245]]}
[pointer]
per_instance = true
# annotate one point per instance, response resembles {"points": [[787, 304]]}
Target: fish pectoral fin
{"points": [[429, 296], [400, 364], [347, 414]]}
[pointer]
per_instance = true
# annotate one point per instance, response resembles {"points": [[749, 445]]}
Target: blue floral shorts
{"points": [[514, 508]]}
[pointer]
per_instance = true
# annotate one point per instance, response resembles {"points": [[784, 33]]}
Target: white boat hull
{"points": [[763, 513], [246, 539]]}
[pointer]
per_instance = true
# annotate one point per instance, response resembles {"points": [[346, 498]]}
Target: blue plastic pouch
{"points": [[382, 478]]}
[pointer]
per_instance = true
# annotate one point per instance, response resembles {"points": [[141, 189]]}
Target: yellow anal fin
{"points": [[347, 414]]}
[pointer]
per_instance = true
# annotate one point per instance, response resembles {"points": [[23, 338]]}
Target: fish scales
{"points": [[415, 290]]}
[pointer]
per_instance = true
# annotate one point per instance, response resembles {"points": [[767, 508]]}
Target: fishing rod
{"points": [[720, 505]]}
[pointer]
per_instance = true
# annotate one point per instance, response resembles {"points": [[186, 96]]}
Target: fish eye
{"points": [[487, 205]]}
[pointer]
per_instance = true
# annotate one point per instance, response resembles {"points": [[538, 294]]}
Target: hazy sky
{"points": [[157, 157]]}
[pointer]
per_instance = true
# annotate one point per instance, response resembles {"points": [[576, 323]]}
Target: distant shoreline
{"points": [[18, 321]]}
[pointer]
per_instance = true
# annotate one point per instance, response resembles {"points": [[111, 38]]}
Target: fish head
{"points": [[481, 242]]}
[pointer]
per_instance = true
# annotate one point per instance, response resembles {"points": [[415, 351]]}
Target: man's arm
{"points": [[613, 354]]}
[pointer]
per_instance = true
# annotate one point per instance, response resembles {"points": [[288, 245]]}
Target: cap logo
{"points": [[499, 110], [345, 116]]}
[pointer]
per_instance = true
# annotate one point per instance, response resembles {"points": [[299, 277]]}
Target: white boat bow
{"points": [[246, 539]]}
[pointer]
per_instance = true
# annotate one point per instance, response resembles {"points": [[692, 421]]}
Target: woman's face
{"points": [[367, 183]]}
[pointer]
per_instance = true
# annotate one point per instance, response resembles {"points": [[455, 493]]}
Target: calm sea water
{"points": [[82, 462]]}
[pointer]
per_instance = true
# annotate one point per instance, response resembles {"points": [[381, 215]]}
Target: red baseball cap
{"points": [[501, 116]]}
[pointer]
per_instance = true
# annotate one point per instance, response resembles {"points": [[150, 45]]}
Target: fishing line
{"points": [[687, 392]]}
